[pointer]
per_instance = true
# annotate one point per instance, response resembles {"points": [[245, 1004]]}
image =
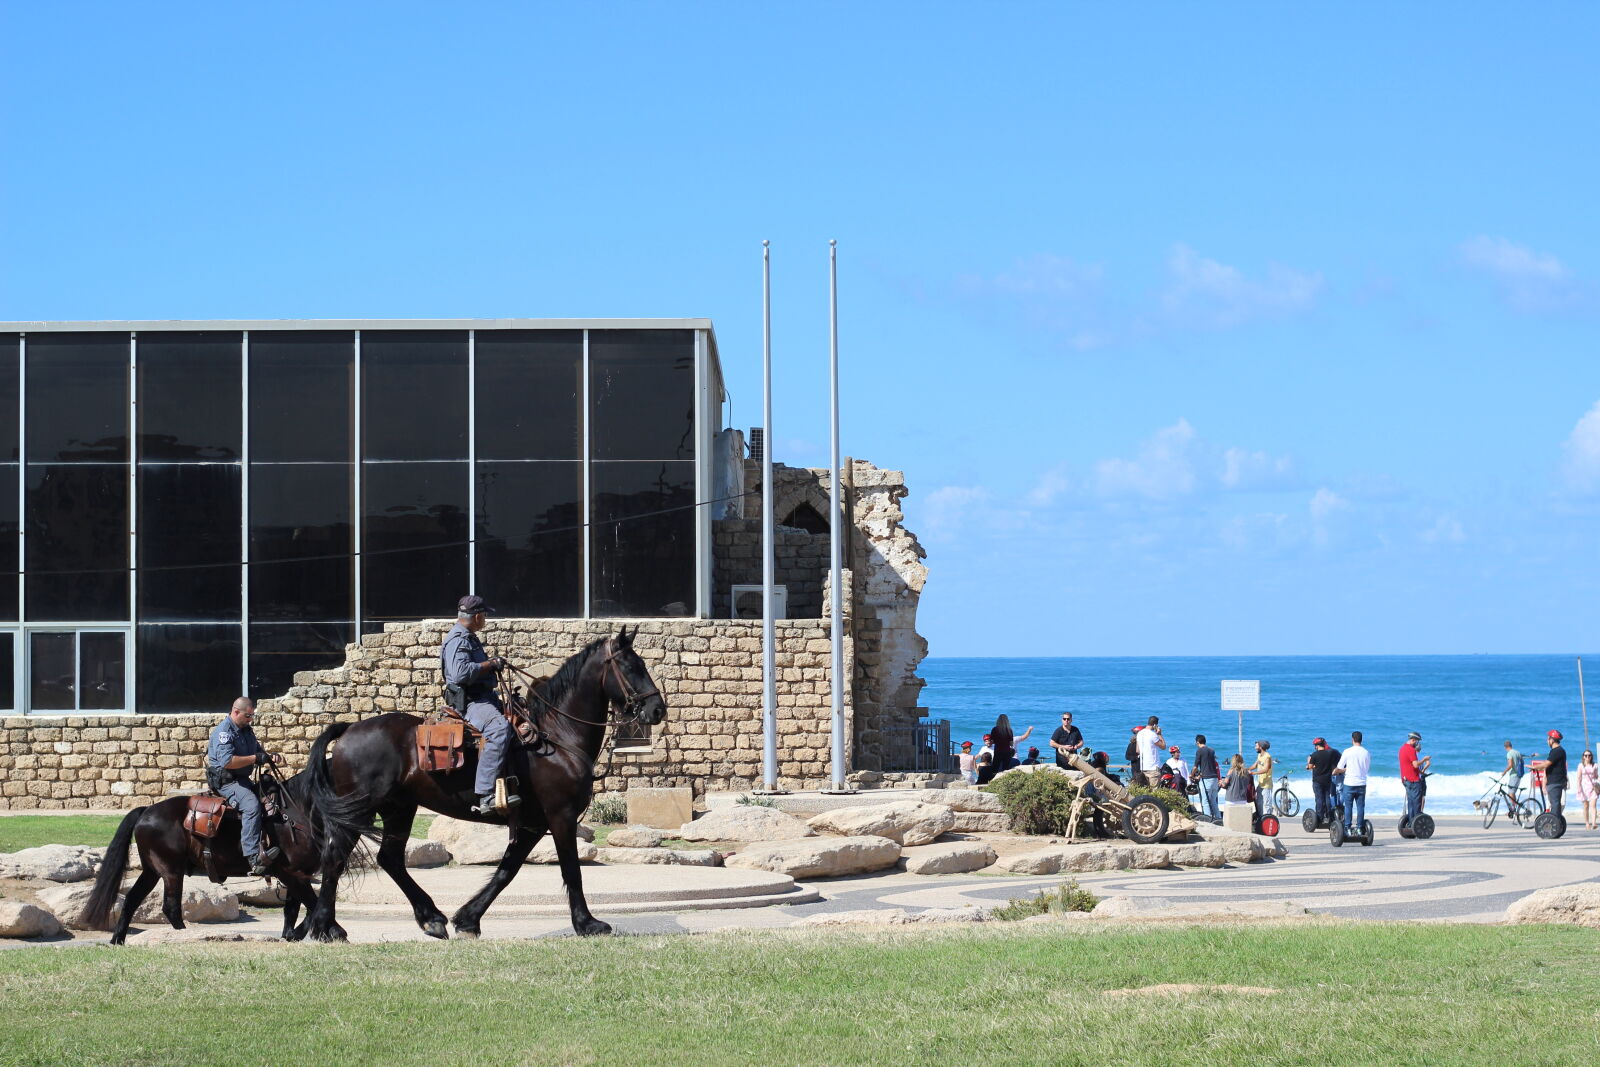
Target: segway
{"points": [[1421, 828], [1336, 834], [1267, 825], [1312, 823], [1550, 826]]}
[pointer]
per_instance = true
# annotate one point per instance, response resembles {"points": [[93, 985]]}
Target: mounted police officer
{"points": [[231, 758], [469, 676]]}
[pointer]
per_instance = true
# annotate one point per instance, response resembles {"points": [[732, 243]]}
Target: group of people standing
{"points": [[1551, 779]]}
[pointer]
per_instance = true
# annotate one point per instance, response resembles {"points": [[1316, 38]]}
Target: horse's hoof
{"points": [[436, 928], [466, 933], [593, 928]]}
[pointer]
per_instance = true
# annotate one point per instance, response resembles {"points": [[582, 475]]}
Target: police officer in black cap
{"points": [[469, 674]]}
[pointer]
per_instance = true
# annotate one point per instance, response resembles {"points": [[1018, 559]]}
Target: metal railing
{"points": [[923, 747]]}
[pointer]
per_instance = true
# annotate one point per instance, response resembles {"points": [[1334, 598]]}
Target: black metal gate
{"points": [[924, 747]]}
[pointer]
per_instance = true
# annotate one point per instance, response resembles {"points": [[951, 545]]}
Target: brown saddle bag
{"points": [[441, 745], [204, 817]]}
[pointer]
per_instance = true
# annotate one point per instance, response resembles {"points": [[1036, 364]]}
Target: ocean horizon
{"points": [[1465, 706]]}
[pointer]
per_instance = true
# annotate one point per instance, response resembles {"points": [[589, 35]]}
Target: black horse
{"points": [[374, 771], [167, 853]]}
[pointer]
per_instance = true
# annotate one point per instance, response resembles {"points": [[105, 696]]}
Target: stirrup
{"points": [[265, 860]]}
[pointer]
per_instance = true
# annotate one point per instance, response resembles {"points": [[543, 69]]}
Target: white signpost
{"points": [[1241, 696]]}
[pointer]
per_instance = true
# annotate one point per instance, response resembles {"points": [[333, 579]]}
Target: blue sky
{"points": [[1197, 329]]}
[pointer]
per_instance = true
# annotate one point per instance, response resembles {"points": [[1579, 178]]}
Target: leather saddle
{"points": [[444, 737], [204, 817]]}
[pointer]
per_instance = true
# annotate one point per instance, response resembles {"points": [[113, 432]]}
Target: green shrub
{"points": [[1038, 803], [1170, 799], [608, 810], [756, 802], [1070, 897]]}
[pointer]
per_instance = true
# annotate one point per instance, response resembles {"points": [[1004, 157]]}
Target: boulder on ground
{"points": [[819, 857], [964, 800], [1057, 859], [903, 822], [745, 822], [426, 853], [895, 917], [681, 857], [635, 837], [254, 892], [26, 920], [202, 902], [1198, 854], [1572, 904], [53, 863], [545, 851], [481, 842], [947, 858], [1124, 907], [980, 822]]}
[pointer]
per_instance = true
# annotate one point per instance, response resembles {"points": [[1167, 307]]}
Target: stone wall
{"points": [[800, 564], [709, 671]]}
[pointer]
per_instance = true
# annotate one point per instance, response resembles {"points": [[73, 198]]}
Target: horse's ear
{"points": [[624, 638]]}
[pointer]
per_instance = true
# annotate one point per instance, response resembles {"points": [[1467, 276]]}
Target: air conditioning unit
{"points": [[746, 602]]}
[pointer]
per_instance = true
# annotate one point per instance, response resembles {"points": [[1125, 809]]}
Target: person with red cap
{"points": [[1323, 759], [1554, 766], [969, 768]]}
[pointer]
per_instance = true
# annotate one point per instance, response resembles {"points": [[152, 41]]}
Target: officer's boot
{"points": [[265, 860]]}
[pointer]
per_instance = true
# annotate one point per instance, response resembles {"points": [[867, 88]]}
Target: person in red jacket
{"points": [[1413, 765]]}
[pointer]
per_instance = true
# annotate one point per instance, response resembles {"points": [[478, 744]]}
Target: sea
{"points": [[1465, 707]]}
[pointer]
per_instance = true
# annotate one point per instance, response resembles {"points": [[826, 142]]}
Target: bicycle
{"points": [[1521, 812], [1284, 800]]}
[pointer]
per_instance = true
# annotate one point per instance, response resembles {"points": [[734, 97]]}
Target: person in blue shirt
{"points": [[472, 671], [232, 755]]}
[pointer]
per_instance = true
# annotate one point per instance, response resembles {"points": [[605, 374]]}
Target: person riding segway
{"points": [[1553, 823], [1414, 776], [1355, 764]]}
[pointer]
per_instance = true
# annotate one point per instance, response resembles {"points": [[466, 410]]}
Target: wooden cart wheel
{"points": [[1145, 821]]}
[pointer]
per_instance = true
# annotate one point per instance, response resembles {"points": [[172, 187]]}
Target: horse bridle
{"points": [[631, 701]]}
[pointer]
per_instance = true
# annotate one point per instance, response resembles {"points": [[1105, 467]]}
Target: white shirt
{"points": [[1149, 754], [1179, 767], [1356, 762]]}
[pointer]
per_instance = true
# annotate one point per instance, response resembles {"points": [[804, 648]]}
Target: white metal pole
{"points": [[1583, 705], [835, 517], [769, 683]]}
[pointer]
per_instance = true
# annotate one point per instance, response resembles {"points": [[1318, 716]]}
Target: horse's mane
{"points": [[566, 676]]}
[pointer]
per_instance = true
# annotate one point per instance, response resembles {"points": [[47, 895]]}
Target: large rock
{"points": [[903, 822], [25, 920], [1572, 904], [968, 800], [477, 842], [635, 837], [980, 822], [894, 917], [256, 892], [426, 853], [545, 851], [681, 857], [951, 858], [1123, 907], [1057, 859], [202, 902], [819, 857], [1199, 854], [662, 808], [745, 822], [54, 863]]}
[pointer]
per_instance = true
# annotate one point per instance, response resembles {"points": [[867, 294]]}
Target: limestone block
{"points": [[202, 902], [25, 920], [819, 857], [964, 800], [545, 851], [949, 858], [470, 842], [705, 857], [663, 808], [1058, 859], [635, 837], [1573, 904], [903, 822], [979, 822], [1199, 854], [895, 917], [1122, 907], [745, 822], [427, 853], [55, 863], [1236, 817], [254, 892]]}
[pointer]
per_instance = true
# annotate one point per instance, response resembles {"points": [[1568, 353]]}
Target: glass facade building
{"points": [[191, 510]]}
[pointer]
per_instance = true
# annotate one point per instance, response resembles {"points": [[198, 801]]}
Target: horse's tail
{"points": [[344, 820], [96, 913]]}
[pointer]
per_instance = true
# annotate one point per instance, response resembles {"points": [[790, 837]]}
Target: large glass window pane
{"points": [[8, 671], [300, 396], [414, 394], [641, 394], [529, 394], [642, 559], [301, 532], [188, 542], [8, 543], [10, 355], [278, 650], [77, 543], [102, 672], [188, 668], [77, 397], [414, 532], [53, 671], [530, 540], [189, 397]]}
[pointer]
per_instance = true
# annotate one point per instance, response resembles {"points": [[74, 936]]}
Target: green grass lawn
{"points": [[1356, 994], [28, 831]]}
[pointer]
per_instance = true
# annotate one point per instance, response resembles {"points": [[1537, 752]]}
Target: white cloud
{"points": [[950, 507], [1529, 280], [1446, 529], [1243, 469], [1053, 293], [1325, 504], [1580, 461], [1175, 461], [1054, 483], [1207, 294]]}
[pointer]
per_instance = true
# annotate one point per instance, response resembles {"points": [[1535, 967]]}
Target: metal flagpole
{"points": [[1583, 705], [835, 534], [769, 680]]}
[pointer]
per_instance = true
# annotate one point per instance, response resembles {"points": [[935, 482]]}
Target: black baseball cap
{"points": [[472, 605]]}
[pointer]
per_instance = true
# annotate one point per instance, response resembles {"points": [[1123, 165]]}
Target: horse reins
{"points": [[631, 700]]}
